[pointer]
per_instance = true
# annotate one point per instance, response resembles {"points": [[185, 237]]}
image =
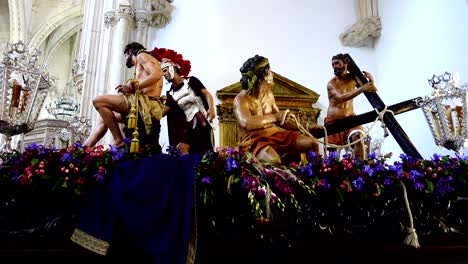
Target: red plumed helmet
{"points": [[176, 58]]}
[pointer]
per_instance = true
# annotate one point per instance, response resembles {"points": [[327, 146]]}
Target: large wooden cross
{"points": [[389, 120]]}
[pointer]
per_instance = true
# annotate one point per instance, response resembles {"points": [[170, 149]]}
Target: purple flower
{"points": [[387, 182], [312, 157], [77, 145], [379, 167], [414, 174], [333, 154], [308, 170], [405, 158], [435, 157], [418, 186], [65, 157], [367, 169], [372, 156], [461, 157], [98, 177], [443, 186], [231, 164], [206, 180], [358, 184], [396, 168], [31, 146], [127, 140], [116, 153], [245, 183]]}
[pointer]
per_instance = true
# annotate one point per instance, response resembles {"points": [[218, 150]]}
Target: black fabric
{"points": [[149, 142]]}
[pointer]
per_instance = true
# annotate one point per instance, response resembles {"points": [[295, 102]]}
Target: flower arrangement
{"points": [[335, 192], [324, 193], [442, 176], [50, 170]]}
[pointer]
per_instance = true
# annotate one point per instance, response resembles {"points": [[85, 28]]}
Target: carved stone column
{"points": [[92, 53], [77, 75], [120, 22], [142, 22], [18, 21]]}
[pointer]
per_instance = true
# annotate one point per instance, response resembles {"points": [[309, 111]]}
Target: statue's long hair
{"points": [[249, 65]]}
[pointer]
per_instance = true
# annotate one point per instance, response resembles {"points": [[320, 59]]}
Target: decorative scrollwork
{"points": [[161, 11]]}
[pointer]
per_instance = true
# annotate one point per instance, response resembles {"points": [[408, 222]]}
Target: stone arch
{"points": [[53, 23], [61, 35]]}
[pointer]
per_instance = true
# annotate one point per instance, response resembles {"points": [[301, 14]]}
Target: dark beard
{"points": [[338, 72], [128, 62]]}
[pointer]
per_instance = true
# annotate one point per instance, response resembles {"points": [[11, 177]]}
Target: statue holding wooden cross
{"points": [[352, 82], [341, 91]]}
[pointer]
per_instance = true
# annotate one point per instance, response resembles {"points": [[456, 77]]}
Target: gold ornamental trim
{"points": [[90, 242]]}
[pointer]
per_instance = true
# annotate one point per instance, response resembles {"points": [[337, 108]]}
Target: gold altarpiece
{"points": [[288, 95]]}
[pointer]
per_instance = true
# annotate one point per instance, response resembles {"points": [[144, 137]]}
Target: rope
{"points": [[325, 142], [412, 238]]}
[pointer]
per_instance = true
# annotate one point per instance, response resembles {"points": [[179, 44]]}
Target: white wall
{"points": [[299, 37], [419, 38]]}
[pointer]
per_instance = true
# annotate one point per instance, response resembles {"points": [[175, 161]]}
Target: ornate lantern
{"points": [[446, 111], [23, 88]]}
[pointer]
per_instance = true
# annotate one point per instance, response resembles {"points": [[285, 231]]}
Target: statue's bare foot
{"points": [[119, 145], [183, 148]]}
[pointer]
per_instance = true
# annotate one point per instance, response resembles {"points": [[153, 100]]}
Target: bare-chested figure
{"points": [[264, 130], [341, 92], [113, 107]]}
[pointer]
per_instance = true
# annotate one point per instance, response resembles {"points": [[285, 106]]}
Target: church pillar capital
{"points": [[142, 19], [123, 12]]}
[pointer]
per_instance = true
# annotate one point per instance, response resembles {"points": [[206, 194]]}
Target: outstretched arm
{"points": [[335, 94]]}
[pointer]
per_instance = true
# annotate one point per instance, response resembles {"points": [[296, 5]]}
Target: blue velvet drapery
{"points": [[153, 199]]}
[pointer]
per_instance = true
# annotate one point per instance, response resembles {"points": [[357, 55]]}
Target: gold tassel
{"points": [[135, 144], [132, 118]]}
